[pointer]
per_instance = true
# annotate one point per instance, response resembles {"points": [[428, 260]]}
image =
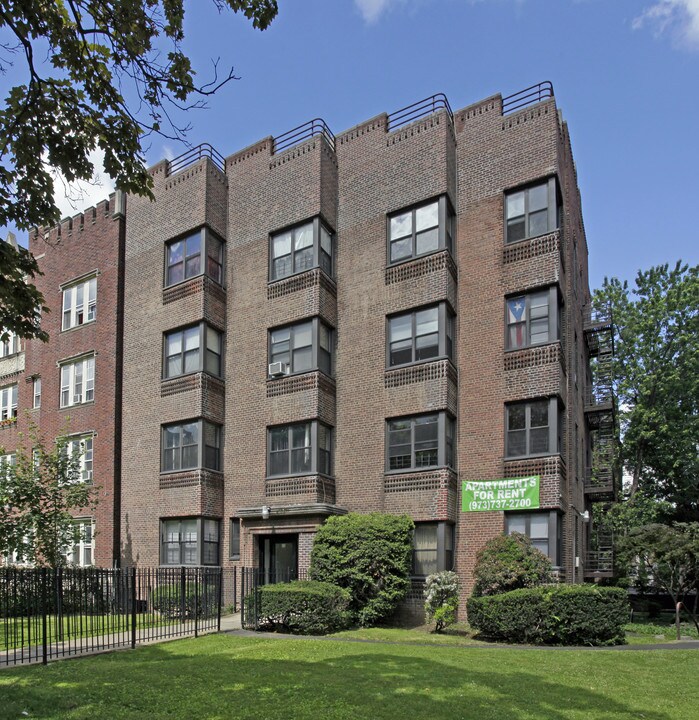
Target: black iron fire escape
{"points": [[601, 477]]}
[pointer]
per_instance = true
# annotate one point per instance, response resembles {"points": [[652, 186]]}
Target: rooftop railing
{"points": [[528, 96], [299, 134], [194, 155], [417, 110]]}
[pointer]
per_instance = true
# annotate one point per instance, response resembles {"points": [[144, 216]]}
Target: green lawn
{"points": [[221, 676]]}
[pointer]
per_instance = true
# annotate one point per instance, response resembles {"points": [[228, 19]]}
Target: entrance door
{"points": [[279, 558]]}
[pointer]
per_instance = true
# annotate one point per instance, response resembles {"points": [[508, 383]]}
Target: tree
{"points": [[369, 555], [510, 562], [666, 557], [656, 335], [442, 598], [37, 492], [99, 74]]}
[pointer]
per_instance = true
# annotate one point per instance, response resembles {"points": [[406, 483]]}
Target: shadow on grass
{"points": [[272, 679]]}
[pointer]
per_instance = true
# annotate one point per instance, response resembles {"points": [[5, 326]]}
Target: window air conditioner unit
{"points": [[278, 368]]}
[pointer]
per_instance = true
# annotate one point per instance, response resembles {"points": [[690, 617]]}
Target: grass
{"points": [[223, 676]]}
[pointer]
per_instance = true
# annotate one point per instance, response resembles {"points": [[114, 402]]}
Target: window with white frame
{"points": [[9, 343], [182, 351], [420, 230], [36, 393], [79, 303], [532, 319], [532, 211], [6, 461], [301, 248], [189, 541], [78, 381], [8, 402], [81, 448], [81, 553]]}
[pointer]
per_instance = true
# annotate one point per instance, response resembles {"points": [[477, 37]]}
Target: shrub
{"points": [[175, 601], [307, 607], [509, 562], [553, 615], [368, 555], [442, 598]]}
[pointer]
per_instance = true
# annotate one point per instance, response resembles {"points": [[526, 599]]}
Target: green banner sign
{"points": [[506, 494]]}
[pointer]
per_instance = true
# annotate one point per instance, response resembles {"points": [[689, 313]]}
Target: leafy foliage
{"points": [[442, 598], [656, 336], [184, 600], [553, 615], [666, 557], [307, 607], [37, 493], [114, 73], [369, 555], [509, 562]]}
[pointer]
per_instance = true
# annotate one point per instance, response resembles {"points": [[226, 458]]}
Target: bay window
{"points": [[199, 253], [301, 248], [300, 449]]}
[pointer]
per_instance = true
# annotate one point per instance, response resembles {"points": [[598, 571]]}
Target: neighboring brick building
{"points": [[322, 324], [71, 386]]}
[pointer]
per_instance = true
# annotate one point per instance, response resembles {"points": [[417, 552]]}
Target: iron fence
{"points": [[251, 580], [47, 613], [418, 110], [528, 96]]}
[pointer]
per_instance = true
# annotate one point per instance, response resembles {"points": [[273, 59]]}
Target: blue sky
{"points": [[625, 74]]}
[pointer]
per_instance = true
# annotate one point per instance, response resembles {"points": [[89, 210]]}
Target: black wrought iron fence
{"points": [[50, 613], [251, 580]]}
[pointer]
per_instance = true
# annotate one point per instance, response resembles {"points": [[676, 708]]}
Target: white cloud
{"points": [[680, 16], [73, 198], [371, 10]]}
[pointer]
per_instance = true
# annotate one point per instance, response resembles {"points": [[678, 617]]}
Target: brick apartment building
{"points": [[320, 324], [71, 386]]}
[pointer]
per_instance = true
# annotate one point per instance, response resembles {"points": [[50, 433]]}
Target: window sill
{"points": [[182, 471], [190, 374], [299, 475], [274, 378], [512, 243], [556, 341], [419, 363], [274, 281], [77, 405], [429, 468], [517, 458], [397, 263], [190, 279], [78, 327]]}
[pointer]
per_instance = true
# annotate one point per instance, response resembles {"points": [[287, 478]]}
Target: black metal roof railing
{"points": [[194, 155], [528, 96], [317, 126], [413, 112]]}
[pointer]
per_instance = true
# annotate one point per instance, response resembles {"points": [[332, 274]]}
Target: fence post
{"points": [[235, 588], [220, 597], [44, 629], [199, 572], [133, 607], [183, 590]]}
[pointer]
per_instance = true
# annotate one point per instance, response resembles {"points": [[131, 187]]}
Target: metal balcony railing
{"points": [[528, 96], [194, 155], [600, 562], [299, 134], [595, 318], [599, 480], [417, 110]]}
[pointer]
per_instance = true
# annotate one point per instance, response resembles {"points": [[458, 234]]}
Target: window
{"points": [[424, 441], [532, 319], [79, 303], [8, 402], [6, 461], [303, 347], [234, 550], [81, 448], [300, 449], [433, 548], [532, 428], [189, 541], [10, 345], [190, 445], [532, 211], [181, 351], [78, 382], [301, 248], [36, 393], [420, 335], [542, 528], [183, 257], [82, 551], [421, 230]]}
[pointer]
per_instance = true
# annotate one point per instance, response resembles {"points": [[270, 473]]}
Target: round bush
{"points": [[509, 562]]}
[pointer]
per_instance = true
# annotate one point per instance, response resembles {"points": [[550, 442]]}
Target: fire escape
{"points": [[601, 478]]}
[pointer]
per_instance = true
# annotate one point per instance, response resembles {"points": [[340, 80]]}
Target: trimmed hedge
{"points": [[369, 555], [553, 615], [171, 602], [307, 607]]}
